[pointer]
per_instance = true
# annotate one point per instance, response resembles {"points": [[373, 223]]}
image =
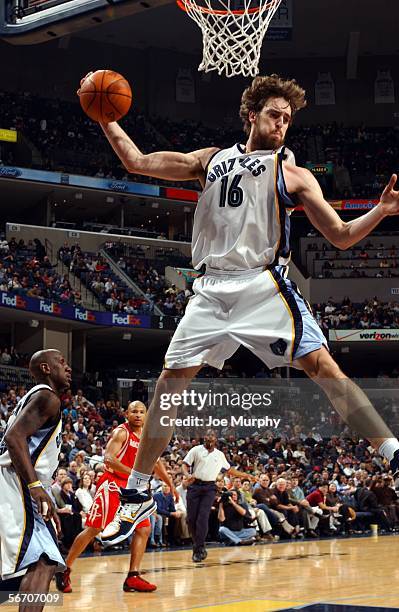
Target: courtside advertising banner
{"points": [[365, 335]]}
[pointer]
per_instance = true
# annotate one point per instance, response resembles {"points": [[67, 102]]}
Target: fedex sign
{"points": [[14, 301], [118, 319], [84, 315], [50, 308], [46, 308]]}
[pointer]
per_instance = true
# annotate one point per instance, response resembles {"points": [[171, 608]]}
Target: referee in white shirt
{"points": [[206, 462]]}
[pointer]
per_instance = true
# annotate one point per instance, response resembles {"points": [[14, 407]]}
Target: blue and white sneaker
{"points": [[112, 533], [135, 507]]}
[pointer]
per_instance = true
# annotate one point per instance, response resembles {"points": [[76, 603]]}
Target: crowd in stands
{"points": [[299, 483], [110, 288], [25, 269], [95, 272], [363, 158], [370, 314], [367, 261], [168, 298], [9, 356]]}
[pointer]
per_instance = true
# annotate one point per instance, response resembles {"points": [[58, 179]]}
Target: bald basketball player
{"points": [[120, 454], [241, 234], [28, 458]]}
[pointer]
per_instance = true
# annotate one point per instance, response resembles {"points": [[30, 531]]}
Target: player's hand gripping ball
{"points": [[105, 96]]}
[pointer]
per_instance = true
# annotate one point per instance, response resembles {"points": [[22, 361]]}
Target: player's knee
{"points": [[327, 368], [91, 532], [144, 532], [168, 374], [164, 378], [173, 374], [322, 366], [171, 382], [183, 373], [44, 567], [163, 385]]}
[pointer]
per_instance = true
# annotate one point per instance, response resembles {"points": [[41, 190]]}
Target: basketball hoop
{"points": [[232, 38]]}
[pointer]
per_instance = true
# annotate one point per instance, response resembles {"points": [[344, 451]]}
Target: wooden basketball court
{"points": [[351, 572]]}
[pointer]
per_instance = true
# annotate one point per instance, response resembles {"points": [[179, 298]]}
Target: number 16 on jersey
{"points": [[233, 193]]}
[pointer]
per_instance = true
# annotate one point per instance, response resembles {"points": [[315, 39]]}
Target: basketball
{"points": [[105, 96]]}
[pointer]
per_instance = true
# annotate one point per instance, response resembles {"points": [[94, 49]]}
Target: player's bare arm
{"points": [[113, 447], [42, 408], [324, 218], [167, 165], [233, 472]]}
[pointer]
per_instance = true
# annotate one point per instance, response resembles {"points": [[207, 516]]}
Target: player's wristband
{"points": [[36, 484]]}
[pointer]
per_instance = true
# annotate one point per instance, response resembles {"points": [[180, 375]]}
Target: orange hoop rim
{"points": [[185, 5]]}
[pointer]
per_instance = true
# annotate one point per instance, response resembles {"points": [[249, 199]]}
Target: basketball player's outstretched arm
{"points": [[341, 234], [43, 407], [233, 472], [167, 165]]}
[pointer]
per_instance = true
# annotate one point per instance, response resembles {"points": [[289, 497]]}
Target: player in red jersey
{"points": [[120, 454]]}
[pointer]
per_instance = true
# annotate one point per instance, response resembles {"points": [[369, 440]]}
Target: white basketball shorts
{"points": [[24, 535], [259, 309]]}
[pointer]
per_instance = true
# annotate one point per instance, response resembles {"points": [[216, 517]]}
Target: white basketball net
{"points": [[232, 39]]}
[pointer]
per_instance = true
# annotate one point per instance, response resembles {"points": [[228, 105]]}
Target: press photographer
{"points": [[232, 516]]}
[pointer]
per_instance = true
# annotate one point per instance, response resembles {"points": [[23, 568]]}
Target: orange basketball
{"points": [[105, 96]]}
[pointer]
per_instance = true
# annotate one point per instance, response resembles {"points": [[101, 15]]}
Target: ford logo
{"points": [[5, 171], [118, 186]]}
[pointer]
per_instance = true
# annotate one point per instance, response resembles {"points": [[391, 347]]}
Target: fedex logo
{"points": [[50, 308], [15, 301], [118, 319], [84, 315]]}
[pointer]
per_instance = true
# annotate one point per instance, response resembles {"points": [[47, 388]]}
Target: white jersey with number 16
{"points": [[242, 217]]}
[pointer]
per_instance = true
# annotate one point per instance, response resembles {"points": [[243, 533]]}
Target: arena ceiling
{"points": [[321, 28]]}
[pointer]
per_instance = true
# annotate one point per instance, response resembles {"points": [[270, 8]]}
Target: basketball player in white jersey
{"points": [[28, 458], [241, 234]]}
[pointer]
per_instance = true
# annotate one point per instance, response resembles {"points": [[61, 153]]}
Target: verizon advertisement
{"points": [[363, 335]]}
